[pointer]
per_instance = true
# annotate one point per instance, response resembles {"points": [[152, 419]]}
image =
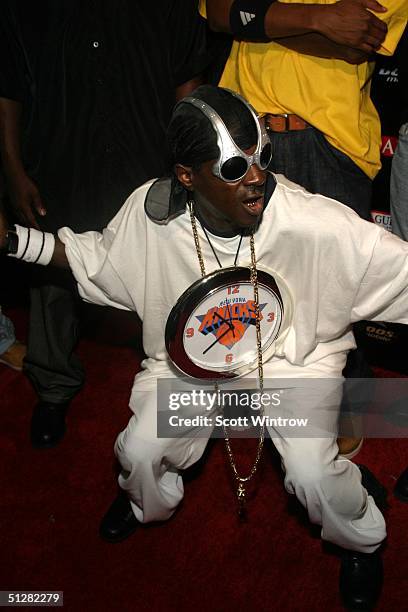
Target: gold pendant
{"points": [[241, 495]]}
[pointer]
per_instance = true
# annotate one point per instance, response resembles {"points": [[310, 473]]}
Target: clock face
{"points": [[212, 329]]}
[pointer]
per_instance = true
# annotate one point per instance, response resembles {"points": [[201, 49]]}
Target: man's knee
{"points": [[308, 462], [135, 452], [304, 472], [338, 482]]}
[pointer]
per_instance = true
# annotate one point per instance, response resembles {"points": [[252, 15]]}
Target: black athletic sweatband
{"points": [[247, 19]]}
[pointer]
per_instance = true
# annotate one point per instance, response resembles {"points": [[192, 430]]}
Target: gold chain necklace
{"points": [[240, 480]]}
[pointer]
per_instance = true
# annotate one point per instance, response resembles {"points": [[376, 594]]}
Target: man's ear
{"points": [[185, 176]]}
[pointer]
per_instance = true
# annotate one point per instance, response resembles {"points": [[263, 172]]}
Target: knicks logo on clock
{"points": [[211, 331]]}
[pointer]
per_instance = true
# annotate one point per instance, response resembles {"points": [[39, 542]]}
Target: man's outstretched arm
{"points": [[59, 258], [346, 22], [99, 261]]}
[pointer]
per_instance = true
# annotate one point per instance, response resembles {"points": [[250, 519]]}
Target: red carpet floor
{"points": [[202, 559]]}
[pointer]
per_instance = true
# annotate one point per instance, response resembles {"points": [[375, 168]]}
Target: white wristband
{"points": [[34, 246]]}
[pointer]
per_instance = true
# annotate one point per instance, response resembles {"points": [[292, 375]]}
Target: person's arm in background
{"points": [[395, 20], [192, 46], [24, 194], [14, 92], [347, 22], [320, 46], [344, 30]]}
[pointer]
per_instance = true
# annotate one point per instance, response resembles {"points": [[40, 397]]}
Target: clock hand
{"points": [[216, 340], [230, 319], [228, 322]]}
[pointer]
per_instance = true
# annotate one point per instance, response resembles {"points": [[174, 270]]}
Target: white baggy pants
{"points": [[328, 487]]}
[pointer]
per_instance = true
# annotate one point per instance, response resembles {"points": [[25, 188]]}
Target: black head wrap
{"points": [[193, 140]]}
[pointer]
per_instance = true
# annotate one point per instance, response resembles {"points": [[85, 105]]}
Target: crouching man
{"points": [[221, 208]]}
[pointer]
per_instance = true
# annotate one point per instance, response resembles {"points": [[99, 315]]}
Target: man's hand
{"points": [[350, 23], [24, 195], [355, 56], [3, 229], [25, 198]]}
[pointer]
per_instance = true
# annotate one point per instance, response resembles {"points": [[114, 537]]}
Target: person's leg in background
{"points": [[12, 352], [53, 368], [399, 186], [399, 219]]}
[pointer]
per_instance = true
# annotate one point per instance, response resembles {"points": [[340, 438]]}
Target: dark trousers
{"points": [[306, 157], [53, 368]]}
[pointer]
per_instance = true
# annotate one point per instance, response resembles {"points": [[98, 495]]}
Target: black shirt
{"points": [[97, 81]]}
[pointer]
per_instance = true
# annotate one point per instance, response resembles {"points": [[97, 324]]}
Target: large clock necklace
{"points": [[223, 326], [211, 332]]}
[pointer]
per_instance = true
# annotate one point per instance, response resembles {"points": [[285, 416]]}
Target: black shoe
{"points": [[48, 424], [361, 578], [119, 522], [401, 487], [374, 488]]}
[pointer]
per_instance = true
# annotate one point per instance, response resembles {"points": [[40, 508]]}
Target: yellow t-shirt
{"points": [[330, 94]]}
